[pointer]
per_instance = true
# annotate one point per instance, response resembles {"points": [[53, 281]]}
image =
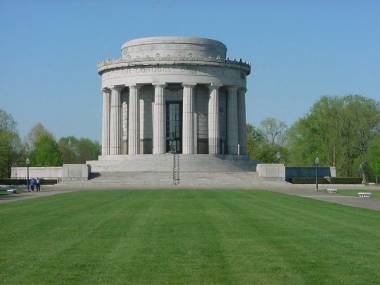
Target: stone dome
{"points": [[173, 47]]}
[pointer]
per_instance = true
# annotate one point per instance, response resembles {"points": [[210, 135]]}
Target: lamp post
{"points": [[316, 172], [27, 161]]}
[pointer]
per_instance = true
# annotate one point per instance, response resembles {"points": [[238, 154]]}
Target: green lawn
{"points": [[187, 237]]}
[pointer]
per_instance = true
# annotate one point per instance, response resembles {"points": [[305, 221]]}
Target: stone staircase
{"points": [[155, 171], [163, 179], [164, 163], [114, 180]]}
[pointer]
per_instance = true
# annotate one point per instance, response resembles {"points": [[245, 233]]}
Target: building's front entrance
{"points": [[174, 126]]}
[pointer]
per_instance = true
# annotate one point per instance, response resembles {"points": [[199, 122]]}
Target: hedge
{"points": [[11, 181], [307, 180], [346, 180], [322, 180]]}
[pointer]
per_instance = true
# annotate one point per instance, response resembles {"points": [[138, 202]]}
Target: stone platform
{"points": [[156, 171], [157, 180], [164, 163]]}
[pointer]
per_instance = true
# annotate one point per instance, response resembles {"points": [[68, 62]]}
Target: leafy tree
{"points": [[35, 133], [271, 153], [10, 144], [254, 137], [374, 157], [78, 150], [45, 152], [67, 147], [262, 142], [88, 150], [338, 129]]}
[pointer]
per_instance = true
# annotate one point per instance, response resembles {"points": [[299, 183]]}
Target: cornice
{"points": [[180, 61]]}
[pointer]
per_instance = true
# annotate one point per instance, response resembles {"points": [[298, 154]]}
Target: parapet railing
{"points": [[148, 60]]}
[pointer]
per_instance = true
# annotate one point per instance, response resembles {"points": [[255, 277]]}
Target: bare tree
{"points": [[274, 131]]}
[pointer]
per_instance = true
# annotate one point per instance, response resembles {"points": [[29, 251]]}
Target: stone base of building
{"points": [[156, 171], [164, 163]]}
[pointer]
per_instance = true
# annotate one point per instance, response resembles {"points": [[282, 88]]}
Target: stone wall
{"points": [[271, 171], [41, 172], [75, 172], [65, 172]]}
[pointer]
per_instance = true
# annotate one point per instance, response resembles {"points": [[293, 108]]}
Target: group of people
{"points": [[35, 183]]}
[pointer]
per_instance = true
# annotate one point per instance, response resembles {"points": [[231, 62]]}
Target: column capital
{"points": [[106, 89], [159, 84], [190, 85], [232, 89], [214, 86], [135, 86], [117, 87], [243, 90]]}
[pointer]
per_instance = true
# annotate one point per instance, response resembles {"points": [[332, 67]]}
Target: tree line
{"points": [[342, 131], [40, 147]]}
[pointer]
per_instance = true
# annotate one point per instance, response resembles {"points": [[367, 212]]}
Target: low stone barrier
{"points": [[67, 172], [75, 172], [41, 172], [271, 170]]}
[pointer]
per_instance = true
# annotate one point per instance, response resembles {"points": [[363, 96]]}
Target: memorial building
{"points": [[182, 91]]}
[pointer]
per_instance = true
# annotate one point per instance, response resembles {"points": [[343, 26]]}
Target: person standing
{"points": [[38, 184], [32, 184]]}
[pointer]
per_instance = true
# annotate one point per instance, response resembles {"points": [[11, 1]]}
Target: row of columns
{"points": [[112, 127]]}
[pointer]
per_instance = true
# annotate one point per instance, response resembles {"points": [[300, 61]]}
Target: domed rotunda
{"points": [[173, 93]]}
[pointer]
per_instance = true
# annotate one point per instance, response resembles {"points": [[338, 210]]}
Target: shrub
{"points": [[322, 180], [307, 180], [346, 180]]}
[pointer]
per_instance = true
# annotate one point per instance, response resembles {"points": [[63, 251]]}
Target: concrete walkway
{"points": [[372, 204], [50, 191], [308, 191]]}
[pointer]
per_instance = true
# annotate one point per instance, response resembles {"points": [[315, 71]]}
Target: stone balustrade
{"points": [[146, 61]]}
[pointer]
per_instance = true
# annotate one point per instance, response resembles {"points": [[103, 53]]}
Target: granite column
{"points": [[242, 121], [188, 119], [232, 121], [213, 120], [134, 126], [159, 120], [115, 121], [106, 122]]}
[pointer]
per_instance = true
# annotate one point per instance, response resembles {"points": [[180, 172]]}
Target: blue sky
{"points": [[300, 50]]}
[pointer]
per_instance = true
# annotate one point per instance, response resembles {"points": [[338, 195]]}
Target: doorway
{"points": [[174, 126]]}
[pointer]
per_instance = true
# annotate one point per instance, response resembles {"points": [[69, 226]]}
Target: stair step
{"points": [[159, 163]]}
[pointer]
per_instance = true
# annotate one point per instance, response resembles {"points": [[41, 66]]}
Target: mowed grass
{"points": [[187, 237]]}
